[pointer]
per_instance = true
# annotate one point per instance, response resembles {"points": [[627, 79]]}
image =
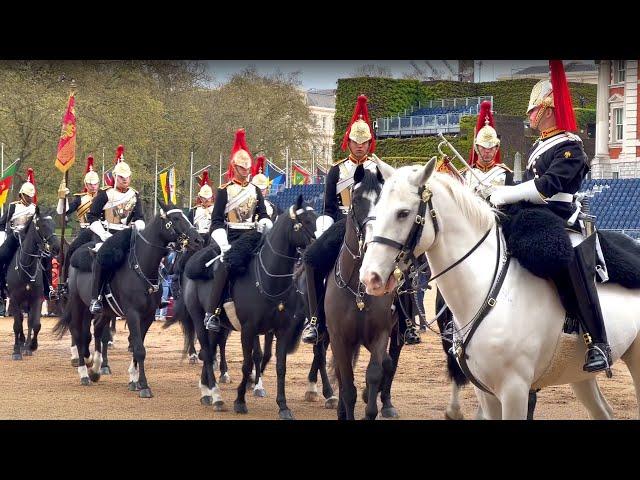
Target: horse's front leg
{"points": [[389, 366], [18, 333], [223, 336], [281, 371], [100, 329], [106, 341], [514, 397], [34, 327], [375, 374], [247, 338], [137, 378], [258, 389]]}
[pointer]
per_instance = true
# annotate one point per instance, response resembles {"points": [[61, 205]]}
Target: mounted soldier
{"points": [[260, 180], [200, 215], [556, 167], [80, 204], [361, 143], [113, 210], [239, 209], [12, 223]]}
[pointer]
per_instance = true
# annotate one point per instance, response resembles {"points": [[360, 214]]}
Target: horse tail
{"points": [[181, 315], [62, 326]]}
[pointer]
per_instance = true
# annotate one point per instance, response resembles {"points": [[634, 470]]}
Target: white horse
{"points": [[519, 342]]}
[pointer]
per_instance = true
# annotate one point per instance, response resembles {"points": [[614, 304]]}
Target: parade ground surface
{"points": [[46, 386]]}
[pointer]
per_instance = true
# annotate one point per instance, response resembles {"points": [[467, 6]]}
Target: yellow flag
{"points": [[163, 185]]}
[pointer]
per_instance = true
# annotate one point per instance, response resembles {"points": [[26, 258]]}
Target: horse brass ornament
{"points": [[281, 307]]}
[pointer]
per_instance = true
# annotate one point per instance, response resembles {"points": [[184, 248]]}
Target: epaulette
{"points": [[225, 185], [338, 162], [106, 187], [574, 137], [505, 167], [80, 194], [15, 203]]}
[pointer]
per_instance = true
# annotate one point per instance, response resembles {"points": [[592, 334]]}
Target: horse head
{"points": [[365, 193], [177, 229], [45, 237], [303, 220]]}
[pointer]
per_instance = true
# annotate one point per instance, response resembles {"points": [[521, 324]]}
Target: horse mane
{"points": [[474, 209], [369, 182]]}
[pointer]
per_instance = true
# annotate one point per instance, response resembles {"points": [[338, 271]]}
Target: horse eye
{"points": [[403, 214]]}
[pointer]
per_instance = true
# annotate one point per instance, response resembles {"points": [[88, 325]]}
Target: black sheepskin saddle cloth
{"points": [[537, 238], [622, 256], [113, 252], [82, 258], [237, 258], [323, 253]]}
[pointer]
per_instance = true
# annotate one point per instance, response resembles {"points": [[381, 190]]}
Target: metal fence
{"points": [[418, 125]]}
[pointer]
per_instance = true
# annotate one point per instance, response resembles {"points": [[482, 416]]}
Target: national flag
{"points": [[299, 175], [276, 182], [108, 179], [168, 184], [5, 182], [67, 144]]}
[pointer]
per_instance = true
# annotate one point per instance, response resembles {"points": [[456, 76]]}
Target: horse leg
{"points": [[18, 333], [258, 389], [343, 358], [331, 401], [139, 354], [247, 339], [193, 355], [490, 407], [106, 340], [209, 390], [311, 395], [34, 327], [81, 323], [631, 358], [514, 397], [98, 331], [389, 366], [112, 330], [268, 343], [587, 393], [74, 350], [224, 368], [375, 374], [281, 371]]}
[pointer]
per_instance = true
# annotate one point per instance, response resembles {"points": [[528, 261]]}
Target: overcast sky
{"points": [[325, 73]]}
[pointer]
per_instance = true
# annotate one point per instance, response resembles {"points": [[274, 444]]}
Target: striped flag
{"points": [[168, 184], [5, 182]]}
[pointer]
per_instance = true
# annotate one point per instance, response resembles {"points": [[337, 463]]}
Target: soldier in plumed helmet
{"points": [[200, 215]]}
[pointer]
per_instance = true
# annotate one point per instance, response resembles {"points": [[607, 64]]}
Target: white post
{"points": [[288, 179], [103, 166], [220, 166], [155, 188], [191, 182]]}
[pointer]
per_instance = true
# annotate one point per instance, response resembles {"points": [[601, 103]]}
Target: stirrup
{"points": [[411, 336], [212, 321], [95, 306], [310, 333], [53, 294], [602, 351]]}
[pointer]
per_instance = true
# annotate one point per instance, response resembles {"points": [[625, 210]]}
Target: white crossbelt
{"points": [[241, 225], [115, 226]]}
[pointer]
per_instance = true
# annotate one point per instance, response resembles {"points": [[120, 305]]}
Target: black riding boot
{"points": [[315, 321], [579, 284], [212, 320], [99, 278]]}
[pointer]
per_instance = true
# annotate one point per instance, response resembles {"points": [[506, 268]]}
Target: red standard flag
{"points": [[67, 144]]}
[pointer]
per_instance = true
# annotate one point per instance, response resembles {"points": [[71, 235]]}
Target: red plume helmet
{"points": [[32, 180], [204, 179], [484, 114], [563, 109], [119, 155], [89, 167], [361, 112], [258, 167], [240, 143]]}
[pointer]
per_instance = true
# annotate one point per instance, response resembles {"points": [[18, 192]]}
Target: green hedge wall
{"points": [[585, 116], [388, 97]]}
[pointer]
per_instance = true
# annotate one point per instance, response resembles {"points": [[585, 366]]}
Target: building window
{"points": [[619, 71], [618, 119], [615, 175]]}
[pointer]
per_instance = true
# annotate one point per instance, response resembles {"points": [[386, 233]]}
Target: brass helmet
{"points": [[28, 189], [487, 136], [91, 177], [122, 169], [205, 192], [542, 94], [359, 129], [261, 181], [240, 152]]}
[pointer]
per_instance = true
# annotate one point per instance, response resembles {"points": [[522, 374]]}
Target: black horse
{"points": [[37, 242], [265, 300], [133, 293], [355, 318]]}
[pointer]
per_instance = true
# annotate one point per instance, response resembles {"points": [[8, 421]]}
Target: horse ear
{"points": [[359, 174], [163, 205], [385, 169], [427, 171], [299, 202]]}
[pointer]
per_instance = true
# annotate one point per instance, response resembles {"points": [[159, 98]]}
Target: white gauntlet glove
{"points": [[220, 237], [513, 194], [97, 228], [264, 225], [323, 223]]}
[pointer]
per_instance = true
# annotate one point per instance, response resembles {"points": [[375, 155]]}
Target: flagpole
{"points": [[103, 166], [61, 269], [191, 183], [2, 175], [220, 165], [155, 188], [287, 180]]}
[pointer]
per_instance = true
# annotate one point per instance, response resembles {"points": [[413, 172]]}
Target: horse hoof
{"points": [[85, 382], [16, 356], [106, 370], [331, 403], [453, 415], [133, 386], [109, 344], [193, 360], [260, 392], [95, 377], [27, 352], [389, 412], [365, 395], [225, 378], [145, 393], [219, 406], [240, 407], [207, 400], [75, 362], [286, 415], [310, 396]]}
